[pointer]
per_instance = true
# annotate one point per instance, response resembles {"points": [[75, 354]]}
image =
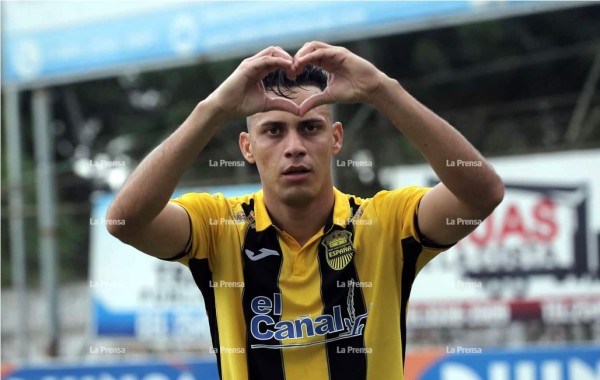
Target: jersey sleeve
{"points": [[203, 210], [398, 213]]}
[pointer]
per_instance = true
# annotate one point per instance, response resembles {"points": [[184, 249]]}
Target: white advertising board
{"points": [[535, 257], [135, 295]]}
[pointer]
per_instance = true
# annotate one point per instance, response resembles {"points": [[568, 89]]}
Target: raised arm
{"points": [[470, 188], [151, 223]]}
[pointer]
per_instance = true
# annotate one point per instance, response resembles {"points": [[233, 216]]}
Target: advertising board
{"points": [[449, 363], [535, 257], [136, 295]]}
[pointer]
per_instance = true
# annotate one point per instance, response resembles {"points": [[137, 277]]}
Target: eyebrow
{"points": [[275, 123], [271, 123], [311, 121]]}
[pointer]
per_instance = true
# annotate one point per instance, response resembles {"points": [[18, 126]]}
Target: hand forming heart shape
{"points": [[351, 79]]}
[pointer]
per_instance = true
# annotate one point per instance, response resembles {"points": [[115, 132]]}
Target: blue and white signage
{"points": [[198, 369], [136, 295], [182, 31], [559, 363]]}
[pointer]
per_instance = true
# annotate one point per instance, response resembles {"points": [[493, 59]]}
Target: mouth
{"points": [[299, 172]]}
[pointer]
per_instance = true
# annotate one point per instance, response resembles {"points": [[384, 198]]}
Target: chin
{"points": [[298, 196]]}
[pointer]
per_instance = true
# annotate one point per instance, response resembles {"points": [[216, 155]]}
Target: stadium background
{"points": [[88, 88]]}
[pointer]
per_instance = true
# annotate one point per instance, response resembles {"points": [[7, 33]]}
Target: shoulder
{"points": [[402, 193], [399, 197], [399, 205], [199, 205], [215, 198]]}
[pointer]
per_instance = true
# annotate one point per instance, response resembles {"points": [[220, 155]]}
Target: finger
{"points": [[281, 104], [262, 66], [310, 47], [307, 48], [315, 100], [274, 51], [327, 59]]}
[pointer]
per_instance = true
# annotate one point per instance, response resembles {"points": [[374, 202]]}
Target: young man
{"points": [[306, 282]]}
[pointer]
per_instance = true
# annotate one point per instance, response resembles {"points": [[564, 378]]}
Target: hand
{"points": [[243, 94], [352, 79]]}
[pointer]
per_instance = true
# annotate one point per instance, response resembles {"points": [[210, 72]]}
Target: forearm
{"points": [[152, 183], [462, 169]]}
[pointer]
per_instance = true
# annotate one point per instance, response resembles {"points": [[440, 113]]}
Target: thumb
{"points": [[315, 101], [281, 104]]}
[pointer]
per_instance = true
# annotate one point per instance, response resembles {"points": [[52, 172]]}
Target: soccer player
{"points": [[300, 280]]}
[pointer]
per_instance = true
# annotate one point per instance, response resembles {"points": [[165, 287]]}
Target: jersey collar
{"points": [[339, 217]]}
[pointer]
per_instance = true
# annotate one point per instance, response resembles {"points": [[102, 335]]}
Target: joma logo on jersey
{"points": [[263, 325]]}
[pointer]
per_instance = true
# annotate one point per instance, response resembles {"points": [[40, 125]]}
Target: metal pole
{"points": [[44, 155], [15, 218], [585, 100]]}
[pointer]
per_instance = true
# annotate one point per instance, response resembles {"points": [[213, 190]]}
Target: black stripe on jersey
{"points": [[411, 249], [347, 359], [203, 277], [261, 278], [188, 245], [426, 242]]}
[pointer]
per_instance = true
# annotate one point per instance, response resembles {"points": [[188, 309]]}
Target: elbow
{"points": [[114, 230], [116, 224], [122, 226], [495, 193]]}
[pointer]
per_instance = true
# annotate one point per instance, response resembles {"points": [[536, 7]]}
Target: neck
{"points": [[301, 221]]}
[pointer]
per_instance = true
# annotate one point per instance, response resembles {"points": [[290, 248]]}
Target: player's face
{"points": [[293, 154]]}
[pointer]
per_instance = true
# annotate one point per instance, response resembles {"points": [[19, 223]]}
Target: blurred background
{"points": [[89, 88]]}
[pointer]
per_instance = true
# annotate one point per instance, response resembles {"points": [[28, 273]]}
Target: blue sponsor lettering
{"points": [[264, 305], [255, 327], [307, 323], [284, 330], [264, 327], [261, 305], [323, 324]]}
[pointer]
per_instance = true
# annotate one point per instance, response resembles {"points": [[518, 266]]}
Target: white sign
{"points": [[136, 295], [538, 249]]}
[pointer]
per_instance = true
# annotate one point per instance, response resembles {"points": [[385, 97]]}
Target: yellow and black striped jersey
{"points": [[334, 308]]}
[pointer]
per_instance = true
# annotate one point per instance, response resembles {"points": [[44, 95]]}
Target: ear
{"points": [[246, 148], [338, 137]]}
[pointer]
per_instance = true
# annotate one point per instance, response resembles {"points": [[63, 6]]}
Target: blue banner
{"points": [[210, 29], [480, 363], [456, 363], [147, 370]]}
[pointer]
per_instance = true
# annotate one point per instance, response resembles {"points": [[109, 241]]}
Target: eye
{"points": [[311, 128], [273, 131]]}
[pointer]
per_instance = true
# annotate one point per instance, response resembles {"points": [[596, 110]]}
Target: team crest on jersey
{"points": [[338, 249], [241, 217]]}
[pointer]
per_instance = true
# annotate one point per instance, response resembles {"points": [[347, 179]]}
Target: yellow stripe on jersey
{"points": [[334, 308]]}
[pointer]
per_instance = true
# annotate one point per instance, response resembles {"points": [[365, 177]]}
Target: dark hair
{"points": [[281, 85]]}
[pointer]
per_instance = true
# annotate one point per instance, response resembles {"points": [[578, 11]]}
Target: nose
{"points": [[294, 146]]}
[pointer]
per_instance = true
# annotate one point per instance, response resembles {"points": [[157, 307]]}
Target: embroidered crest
{"points": [[338, 249]]}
